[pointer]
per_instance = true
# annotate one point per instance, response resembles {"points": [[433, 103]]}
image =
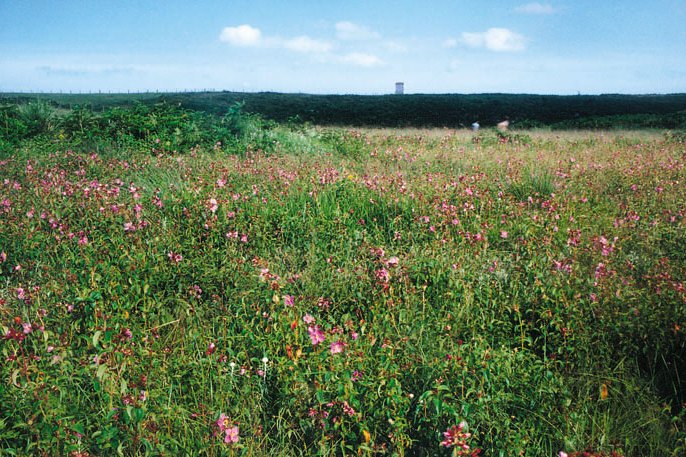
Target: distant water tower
{"points": [[399, 88]]}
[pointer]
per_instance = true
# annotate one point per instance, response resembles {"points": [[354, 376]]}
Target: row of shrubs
{"points": [[180, 128]]}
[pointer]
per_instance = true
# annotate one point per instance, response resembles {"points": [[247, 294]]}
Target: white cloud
{"points": [[535, 8], [495, 39], [360, 59], [246, 36], [306, 44], [353, 32], [243, 35]]}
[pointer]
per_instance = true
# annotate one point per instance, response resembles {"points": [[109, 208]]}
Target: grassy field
{"points": [[294, 290]]}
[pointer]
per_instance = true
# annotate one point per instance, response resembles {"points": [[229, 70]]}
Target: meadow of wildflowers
{"points": [[344, 293]]}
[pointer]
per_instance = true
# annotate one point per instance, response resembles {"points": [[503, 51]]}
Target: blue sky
{"points": [[348, 46]]}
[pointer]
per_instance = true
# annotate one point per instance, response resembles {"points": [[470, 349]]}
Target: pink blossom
{"points": [[337, 347], [456, 438], [288, 300], [308, 319], [316, 334], [347, 409], [503, 234], [231, 435], [382, 275], [213, 205], [223, 422], [175, 258]]}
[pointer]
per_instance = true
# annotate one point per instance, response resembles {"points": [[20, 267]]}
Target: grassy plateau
{"points": [[179, 284]]}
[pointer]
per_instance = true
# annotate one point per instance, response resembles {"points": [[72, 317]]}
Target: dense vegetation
{"points": [[177, 283], [441, 110]]}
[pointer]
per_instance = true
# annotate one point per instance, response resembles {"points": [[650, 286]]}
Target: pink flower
{"points": [[457, 438], [288, 300], [213, 205], [21, 293], [308, 319], [503, 234], [337, 347], [223, 422], [347, 409], [231, 435], [382, 275], [316, 335], [175, 258]]}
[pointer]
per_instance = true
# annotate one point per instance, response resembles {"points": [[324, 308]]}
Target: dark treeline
{"points": [[417, 110]]}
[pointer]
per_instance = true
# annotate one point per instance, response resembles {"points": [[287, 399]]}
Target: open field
{"points": [[296, 290]]}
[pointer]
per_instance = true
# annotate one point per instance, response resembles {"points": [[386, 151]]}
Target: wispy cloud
{"points": [[361, 59], [535, 8], [248, 36], [84, 70], [306, 45], [495, 39], [349, 31], [450, 43]]}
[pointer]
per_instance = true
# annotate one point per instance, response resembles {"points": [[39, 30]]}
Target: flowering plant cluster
{"points": [[457, 438]]}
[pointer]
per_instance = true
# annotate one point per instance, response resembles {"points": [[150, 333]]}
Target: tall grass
{"points": [[343, 293]]}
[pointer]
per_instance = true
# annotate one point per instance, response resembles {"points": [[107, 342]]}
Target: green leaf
{"points": [[96, 338]]}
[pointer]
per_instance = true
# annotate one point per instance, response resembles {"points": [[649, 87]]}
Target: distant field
{"points": [[420, 110]]}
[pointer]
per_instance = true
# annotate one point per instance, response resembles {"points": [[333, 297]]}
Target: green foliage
{"points": [[337, 292], [534, 184], [490, 137], [38, 117], [12, 127], [607, 111], [675, 136]]}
